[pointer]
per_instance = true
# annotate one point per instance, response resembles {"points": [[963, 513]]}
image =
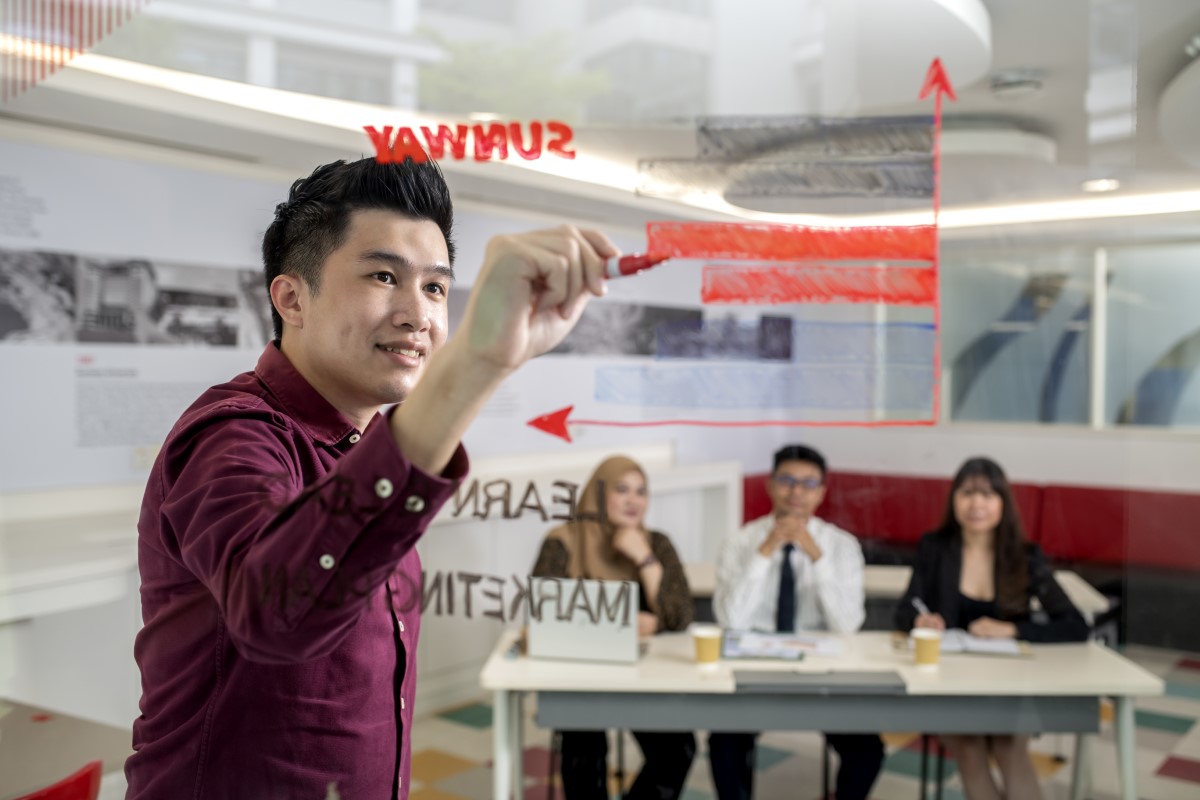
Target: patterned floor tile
{"points": [[1188, 688], [789, 762], [439, 734], [1183, 769], [475, 782], [1150, 739], [908, 763], [894, 741], [766, 756], [539, 791], [1188, 746], [429, 793], [1169, 723], [475, 715], [432, 766]]}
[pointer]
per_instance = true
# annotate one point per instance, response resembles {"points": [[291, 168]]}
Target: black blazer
{"points": [[938, 571]]}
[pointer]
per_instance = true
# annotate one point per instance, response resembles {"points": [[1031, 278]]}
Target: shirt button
{"points": [[327, 561], [401, 703], [354, 437], [383, 488], [414, 504], [401, 625]]}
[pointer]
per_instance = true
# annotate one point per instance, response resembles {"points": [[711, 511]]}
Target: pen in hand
{"points": [[920, 606]]}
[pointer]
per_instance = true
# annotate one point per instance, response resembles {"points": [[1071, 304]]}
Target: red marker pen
{"points": [[631, 264]]}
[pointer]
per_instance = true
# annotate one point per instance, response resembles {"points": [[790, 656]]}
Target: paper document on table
{"points": [[792, 646], [956, 640]]}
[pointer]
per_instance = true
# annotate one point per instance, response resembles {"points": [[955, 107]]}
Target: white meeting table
{"points": [[1057, 689]]}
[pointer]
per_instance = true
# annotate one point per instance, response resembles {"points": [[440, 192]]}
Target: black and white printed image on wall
{"points": [[48, 297]]}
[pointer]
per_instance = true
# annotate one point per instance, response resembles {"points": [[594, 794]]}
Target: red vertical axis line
{"points": [[937, 256], [111, 12], [4, 26], [43, 38], [19, 27], [23, 61]]}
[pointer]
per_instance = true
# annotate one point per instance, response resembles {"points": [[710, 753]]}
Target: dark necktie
{"points": [[785, 611]]}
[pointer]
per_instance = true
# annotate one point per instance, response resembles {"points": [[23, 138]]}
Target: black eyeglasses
{"points": [[789, 483]]}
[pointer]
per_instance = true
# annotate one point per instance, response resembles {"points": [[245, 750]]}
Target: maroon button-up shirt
{"points": [[279, 599]]}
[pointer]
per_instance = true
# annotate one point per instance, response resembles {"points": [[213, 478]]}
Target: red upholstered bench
{"points": [[1078, 524], [891, 508]]}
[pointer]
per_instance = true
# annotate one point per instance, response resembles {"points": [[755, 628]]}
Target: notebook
{"points": [[956, 640], [583, 620]]}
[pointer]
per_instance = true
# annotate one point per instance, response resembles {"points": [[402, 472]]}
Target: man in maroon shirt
{"points": [[278, 527]]}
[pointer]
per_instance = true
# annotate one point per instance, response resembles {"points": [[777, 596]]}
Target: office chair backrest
{"points": [[83, 785]]}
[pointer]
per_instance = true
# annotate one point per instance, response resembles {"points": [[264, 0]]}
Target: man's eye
{"points": [[385, 277], [436, 287]]}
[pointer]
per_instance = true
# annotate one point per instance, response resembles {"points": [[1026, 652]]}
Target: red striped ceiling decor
{"points": [[40, 37]]}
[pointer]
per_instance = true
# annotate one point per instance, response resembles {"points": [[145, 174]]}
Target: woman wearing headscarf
{"points": [[608, 540]]}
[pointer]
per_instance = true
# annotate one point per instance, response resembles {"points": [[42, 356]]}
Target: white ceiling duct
{"points": [[877, 52], [1179, 114]]}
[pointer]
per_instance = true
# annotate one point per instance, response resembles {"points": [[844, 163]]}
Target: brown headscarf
{"points": [[588, 541]]}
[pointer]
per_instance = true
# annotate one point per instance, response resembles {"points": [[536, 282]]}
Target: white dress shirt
{"points": [[829, 593]]}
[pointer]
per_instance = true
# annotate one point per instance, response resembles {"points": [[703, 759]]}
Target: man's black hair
{"points": [[800, 452], [314, 220]]}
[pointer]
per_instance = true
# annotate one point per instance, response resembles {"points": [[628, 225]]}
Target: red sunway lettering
{"points": [[564, 133], [382, 143], [406, 146], [490, 141], [518, 143], [436, 142], [496, 138]]}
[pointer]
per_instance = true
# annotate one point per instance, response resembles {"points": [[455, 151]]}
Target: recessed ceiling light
{"points": [[1101, 185]]}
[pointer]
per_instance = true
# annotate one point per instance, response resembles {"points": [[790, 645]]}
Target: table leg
{"points": [[1126, 755], [516, 721], [1081, 768], [501, 745]]}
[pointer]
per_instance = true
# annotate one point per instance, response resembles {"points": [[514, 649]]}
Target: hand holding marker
{"points": [[620, 266]]}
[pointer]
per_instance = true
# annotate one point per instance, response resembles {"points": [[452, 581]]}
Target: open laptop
{"points": [[583, 620]]}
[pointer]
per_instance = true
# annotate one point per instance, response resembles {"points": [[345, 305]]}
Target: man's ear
{"points": [[287, 293]]}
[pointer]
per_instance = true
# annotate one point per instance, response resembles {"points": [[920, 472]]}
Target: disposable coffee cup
{"points": [[707, 639], [927, 646]]}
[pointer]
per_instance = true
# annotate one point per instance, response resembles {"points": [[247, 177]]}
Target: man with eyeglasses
{"points": [[792, 571]]}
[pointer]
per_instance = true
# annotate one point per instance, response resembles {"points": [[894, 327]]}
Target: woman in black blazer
{"points": [[978, 573]]}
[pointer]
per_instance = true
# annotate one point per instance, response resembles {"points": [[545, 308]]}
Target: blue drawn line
{"points": [[766, 339], [852, 343], [769, 386]]}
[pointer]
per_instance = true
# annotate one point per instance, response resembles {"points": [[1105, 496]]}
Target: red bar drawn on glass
{"points": [[817, 283], [760, 242]]}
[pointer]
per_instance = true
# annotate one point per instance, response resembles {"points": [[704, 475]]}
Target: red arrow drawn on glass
{"points": [[937, 82], [555, 423]]}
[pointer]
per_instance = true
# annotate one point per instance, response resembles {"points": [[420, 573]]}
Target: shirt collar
{"points": [[303, 403]]}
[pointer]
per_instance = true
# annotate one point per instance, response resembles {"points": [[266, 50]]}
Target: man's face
{"points": [[796, 489], [380, 313]]}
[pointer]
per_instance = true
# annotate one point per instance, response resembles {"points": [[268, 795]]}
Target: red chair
{"points": [[83, 785]]}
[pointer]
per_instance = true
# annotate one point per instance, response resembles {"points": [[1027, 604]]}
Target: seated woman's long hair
{"points": [[1012, 563]]}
